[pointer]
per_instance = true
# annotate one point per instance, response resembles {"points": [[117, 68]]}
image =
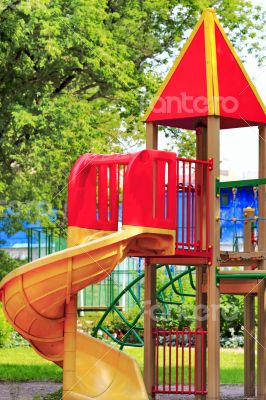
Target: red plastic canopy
{"points": [[207, 78]]}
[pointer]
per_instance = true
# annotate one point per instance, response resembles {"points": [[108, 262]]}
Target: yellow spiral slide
{"points": [[39, 300]]}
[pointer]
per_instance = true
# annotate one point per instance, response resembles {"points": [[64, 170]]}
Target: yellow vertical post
{"points": [[261, 368], [149, 292], [249, 317], [201, 298], [213, 152], [70, 331]]}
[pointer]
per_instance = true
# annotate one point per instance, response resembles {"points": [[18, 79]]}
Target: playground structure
{"points": [[170, 210]]}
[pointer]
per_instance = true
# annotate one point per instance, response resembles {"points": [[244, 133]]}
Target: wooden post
{"points": [[249, 317], [201, 298], [261, 367], [213, 373], [151, 136], [149, 325], [149, 292], [201, 321]]}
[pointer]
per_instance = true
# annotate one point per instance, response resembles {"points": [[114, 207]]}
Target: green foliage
{"points": [[7, 264], [75, 77], [180, 317], [184, 142], [52, 396], [232, 315], [5, 329], [87, 322], [9, 338]]}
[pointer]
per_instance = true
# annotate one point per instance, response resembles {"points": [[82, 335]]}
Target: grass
{"points": [[232, 364], [23, 364]]}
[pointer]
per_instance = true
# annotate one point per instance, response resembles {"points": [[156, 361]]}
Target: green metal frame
{"points": [[238, 183], [133, 328]]}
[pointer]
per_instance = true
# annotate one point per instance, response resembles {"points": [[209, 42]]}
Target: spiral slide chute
{"points": [[34, 298]]}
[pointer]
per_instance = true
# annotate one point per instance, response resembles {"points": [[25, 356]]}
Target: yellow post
{"points": [[249, 316], [70, 331]]}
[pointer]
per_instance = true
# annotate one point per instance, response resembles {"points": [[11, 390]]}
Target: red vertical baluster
{"points": [[88, 194], [189, 361], [202, 360], [124, 173], [103, 193], [183, 362], [177, 363], [177, 201], [195, 361], [183, 205], [201, 204], [189, 206], [170, 360], [195, 207], [113, 195], [164, 359], [160, 190], [171, 191], [207, 199], [157, 361]]}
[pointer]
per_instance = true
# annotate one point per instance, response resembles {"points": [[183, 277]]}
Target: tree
{"points": [[7, 264], [75, 75]]}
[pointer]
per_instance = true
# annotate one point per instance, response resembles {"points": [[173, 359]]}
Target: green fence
{"points": [[44, 241], [102, 295]]}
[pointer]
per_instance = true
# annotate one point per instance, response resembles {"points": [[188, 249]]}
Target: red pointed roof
{"points": [[206, 79]]}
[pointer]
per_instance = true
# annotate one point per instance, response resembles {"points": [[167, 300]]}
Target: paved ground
{"points": [[27, 390], [228, 392]]}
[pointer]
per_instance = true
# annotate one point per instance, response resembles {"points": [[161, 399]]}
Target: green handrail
{"points": [[246, 275]]}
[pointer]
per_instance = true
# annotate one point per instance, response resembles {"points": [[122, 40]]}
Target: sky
{"points": [[239, 147]]}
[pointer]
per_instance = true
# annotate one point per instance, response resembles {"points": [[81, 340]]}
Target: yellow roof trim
{"points": [[208, 33], [212, 39], [241, 66], [173, 68]]}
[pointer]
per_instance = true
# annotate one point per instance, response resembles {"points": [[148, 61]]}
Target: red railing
{"points": [[95, 190], [151, 188], [180, 361], [192, 206]]}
